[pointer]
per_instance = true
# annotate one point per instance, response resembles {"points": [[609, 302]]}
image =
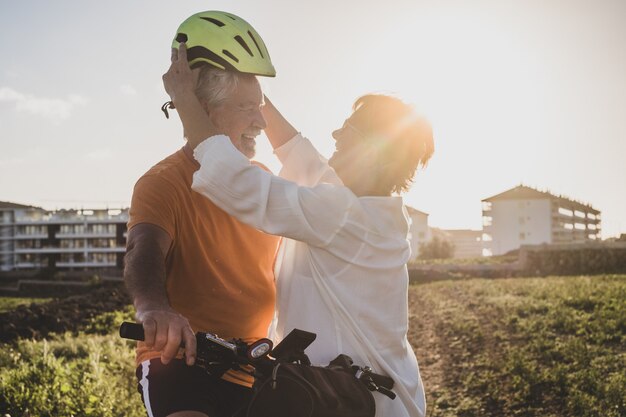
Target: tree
{"points": [[436, 249]]}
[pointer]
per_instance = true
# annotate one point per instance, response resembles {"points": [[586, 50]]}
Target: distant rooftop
{"points": [[522, 192], [9, 205]]}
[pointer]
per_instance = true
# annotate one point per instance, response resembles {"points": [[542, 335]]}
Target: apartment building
{"points": [[419, 231], [33, 238], [526, 216]]}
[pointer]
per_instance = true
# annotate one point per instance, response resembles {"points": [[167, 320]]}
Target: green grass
{"points": [[71, 375], [10, 303], [483, 260], [526, 347], [549, 347]]}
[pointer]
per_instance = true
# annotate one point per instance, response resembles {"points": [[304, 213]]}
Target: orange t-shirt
{"points": [[219, 271]]}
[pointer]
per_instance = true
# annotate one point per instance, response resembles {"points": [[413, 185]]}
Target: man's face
{"points": [[239, 116]]}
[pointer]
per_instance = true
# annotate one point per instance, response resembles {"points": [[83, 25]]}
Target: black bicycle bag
{"points": [[300, 390]]}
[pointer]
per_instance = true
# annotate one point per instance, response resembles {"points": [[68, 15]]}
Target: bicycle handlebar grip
{"points": [[386, 392], [382, 380], [132, 331]]}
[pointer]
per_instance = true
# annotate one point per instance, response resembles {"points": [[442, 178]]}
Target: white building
{"points": [[34, 238], [418, 231], [526, 216]]}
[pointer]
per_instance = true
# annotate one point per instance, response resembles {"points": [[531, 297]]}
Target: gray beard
{"points": [[248, 147]]}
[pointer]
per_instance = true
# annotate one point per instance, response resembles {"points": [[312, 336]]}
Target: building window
{"points": [[522, 220], [487, 220], [566, 212], [522, 236]]}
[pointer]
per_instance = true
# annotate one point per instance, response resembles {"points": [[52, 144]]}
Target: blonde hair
{"points": [[403, 138]]}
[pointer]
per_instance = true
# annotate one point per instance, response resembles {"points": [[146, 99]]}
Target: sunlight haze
{"points": [[528, 92]]}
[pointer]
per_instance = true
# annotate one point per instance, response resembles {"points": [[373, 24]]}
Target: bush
{"points": [[436, 249], [597, 259]]}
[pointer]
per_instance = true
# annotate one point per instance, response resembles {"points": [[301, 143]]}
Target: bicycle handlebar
{"points": [[217, 355]]}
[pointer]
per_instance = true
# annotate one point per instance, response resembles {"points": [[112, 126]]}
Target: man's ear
{"points": [[213, 115], [205, 107]]}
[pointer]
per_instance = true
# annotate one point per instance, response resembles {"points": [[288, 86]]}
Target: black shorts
{"points": [[166, 389]]}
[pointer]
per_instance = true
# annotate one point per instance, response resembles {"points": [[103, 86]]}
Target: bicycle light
{"points": [[259, 348]]}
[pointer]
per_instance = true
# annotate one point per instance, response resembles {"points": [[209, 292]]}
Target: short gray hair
{"points": [[215, 85]]}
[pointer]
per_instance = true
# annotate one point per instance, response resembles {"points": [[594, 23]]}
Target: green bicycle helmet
{"points": [[225, 41]]}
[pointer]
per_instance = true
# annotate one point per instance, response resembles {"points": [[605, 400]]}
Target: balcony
{"points": [[71, 250], [87, 264], [85, 235], [30, 265], [24, 236]]}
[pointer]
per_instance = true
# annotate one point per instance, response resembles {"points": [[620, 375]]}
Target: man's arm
{"points": [[144, 275]]}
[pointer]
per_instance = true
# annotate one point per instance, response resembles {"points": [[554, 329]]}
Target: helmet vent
{"points": [[232, 17], [216, 60], [257, 45], [231, 56], [244, 44], [181, 37], [214, 21]]}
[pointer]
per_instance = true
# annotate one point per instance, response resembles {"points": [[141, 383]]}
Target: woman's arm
{"points": [[279, 131], [272, 204], [302, 163]]}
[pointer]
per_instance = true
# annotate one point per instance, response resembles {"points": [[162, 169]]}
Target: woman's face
{"points": [[354, 156]]}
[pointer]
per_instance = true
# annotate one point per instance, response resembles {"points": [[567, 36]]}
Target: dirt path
{"points": [[427, 345]]}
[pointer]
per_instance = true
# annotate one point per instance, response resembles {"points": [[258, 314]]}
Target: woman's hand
{"points": [[279, 131], [179, 80], [180, 83]]}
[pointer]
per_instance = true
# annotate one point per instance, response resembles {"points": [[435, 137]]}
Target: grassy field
{"points": [[522, 347], [485, 260], [85, 374], [545, 347], [10, 303]]}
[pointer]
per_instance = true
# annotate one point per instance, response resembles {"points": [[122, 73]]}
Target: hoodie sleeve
{"points": [[274, 205]]}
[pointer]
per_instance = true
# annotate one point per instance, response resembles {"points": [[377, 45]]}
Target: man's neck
{"points": [[188, 151]]}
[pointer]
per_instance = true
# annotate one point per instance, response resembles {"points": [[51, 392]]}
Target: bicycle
{"points": [[288, 364]]}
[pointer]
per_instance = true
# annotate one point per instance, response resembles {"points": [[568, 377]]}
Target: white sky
{"points": [[527, 91]]}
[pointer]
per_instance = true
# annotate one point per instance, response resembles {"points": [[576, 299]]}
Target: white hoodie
{"points": [[342, 271]]}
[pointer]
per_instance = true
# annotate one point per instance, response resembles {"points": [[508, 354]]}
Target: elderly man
{"points": [[189, 265]]}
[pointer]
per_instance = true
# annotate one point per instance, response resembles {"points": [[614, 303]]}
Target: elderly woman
{"points": [[341, 269]]}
